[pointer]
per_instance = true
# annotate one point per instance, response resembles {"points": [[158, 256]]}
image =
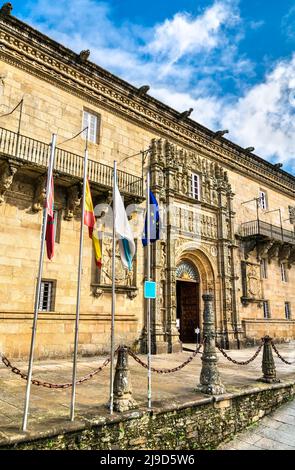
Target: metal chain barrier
{"points": [[279, 355], [165, 371], [241, 363], [42, 383]]}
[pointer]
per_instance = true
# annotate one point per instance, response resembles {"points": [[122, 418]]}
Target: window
{"points": [[46, 303], [284, 272], [263, 200], [57, 225], [195, 186], [266, 312], [263, 268], [288, 310], [92, 121]]}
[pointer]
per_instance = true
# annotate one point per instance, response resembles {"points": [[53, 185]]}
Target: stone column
{"points": [[123, 400], [210, 382], [159, 344], [174, 344], [268, 364]]}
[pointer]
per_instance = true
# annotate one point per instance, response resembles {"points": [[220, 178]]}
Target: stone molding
{"points": [[51, 61]]}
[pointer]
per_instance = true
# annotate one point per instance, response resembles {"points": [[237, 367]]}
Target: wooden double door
{"points": [[188, 309]]}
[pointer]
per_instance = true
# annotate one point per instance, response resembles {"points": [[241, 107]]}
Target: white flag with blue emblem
{"points": [[123, 231]]}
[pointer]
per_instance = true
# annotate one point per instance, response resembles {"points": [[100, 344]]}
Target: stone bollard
{"points": [[210, 382], [123, 400], [268, 364]]}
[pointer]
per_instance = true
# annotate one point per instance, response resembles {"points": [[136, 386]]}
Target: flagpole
{"points": [[76, 340], [149, 342], [38, 290], [113, 293]]}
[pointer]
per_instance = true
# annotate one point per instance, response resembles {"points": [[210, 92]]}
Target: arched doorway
{"points": [[188, 301]]}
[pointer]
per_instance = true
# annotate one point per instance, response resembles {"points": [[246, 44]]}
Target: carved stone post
{"points": [[268, 364], [123, 400], [210, 381], [159, 344], [174, 344]]}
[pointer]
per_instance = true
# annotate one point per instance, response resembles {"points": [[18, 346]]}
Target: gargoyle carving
{"points": [[40, 194], [7, 172], [84, 56], [284, 252], [6, 9], [73, 201]]}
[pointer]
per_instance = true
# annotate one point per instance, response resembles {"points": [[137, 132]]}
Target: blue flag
{"points": [[154, 222]]}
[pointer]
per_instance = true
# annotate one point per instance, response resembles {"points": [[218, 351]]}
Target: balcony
{"points": [[36, 153], [270, 241], [259, 228]]}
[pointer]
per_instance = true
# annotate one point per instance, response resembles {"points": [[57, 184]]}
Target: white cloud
{"points": [[185, 34], [265, 116]]}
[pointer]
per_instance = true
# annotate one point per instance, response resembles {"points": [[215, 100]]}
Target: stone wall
{"points": [[202, 424]]}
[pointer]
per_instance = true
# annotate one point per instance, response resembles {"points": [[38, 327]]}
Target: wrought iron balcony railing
{"points": [[35, 152], [260, 228]]}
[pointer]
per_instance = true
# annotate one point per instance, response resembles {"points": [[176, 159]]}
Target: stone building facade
{"points": [[229, 228]]}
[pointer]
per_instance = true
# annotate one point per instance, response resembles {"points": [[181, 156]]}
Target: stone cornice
{"points": [[34, 52]]}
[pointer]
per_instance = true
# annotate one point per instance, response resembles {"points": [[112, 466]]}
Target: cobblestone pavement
{"points": [[49, 406], [274, 432]]}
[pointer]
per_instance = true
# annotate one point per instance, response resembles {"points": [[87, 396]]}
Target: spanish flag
{"points": [[89, 220]]}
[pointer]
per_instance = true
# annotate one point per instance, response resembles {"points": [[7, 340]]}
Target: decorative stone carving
{"points": [[187, 271], [263, 247], [97, 291], [292, 214], [40, 194], [6, 9], [7, 172], [252, 288], [284, 252], [73, 201], [123, 399], [273, 252], [210, 382], [124, 277], [84, 56]]}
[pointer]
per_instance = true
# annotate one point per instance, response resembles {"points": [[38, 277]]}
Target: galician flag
{"points": [[50, 232], [89, 220], [123, 231]]}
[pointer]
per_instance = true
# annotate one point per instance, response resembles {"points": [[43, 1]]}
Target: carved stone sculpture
{"points": [[7, 172], [6, 9], [73, 201], [40, 194]]}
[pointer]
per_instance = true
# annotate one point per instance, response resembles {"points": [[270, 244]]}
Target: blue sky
{"points": [[233, 61]]}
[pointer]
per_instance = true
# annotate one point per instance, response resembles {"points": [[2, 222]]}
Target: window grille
{"points": [[263, 266], [287, 310], [266, 312], [196, 186], [263, 199], [46, 296]]}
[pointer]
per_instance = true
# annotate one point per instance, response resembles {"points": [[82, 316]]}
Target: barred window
{"points": [[57, 225], [263, 199], [196, 186], [92, 121], [266, 312], [263, 268], [284, 275], [46, 303], [287, 310]]}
